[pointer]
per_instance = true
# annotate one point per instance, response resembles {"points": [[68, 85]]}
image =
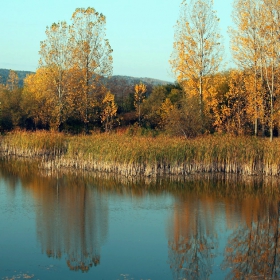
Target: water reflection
{"points": [[72, 219], [249, 208], [252, 250], [191, 248]]}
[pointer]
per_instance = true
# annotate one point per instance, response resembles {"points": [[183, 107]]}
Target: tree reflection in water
{"points": [[249, 207], [192, 241], [71, 217], [73, 220], [253, 249]]}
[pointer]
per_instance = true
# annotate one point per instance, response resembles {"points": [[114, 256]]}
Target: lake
{"points": [[95, 226]]}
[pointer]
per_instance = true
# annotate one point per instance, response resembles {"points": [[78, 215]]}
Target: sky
{"points": [[141, 33]]}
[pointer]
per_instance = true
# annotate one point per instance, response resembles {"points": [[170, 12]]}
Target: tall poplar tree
{"points": [[197, 50], [55, 58], [90, 55], [247, 49], [270, 31]]}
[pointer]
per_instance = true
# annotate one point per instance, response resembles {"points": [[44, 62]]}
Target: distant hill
{"points": [[122, 86], [4, 74], [113, 83], [135, 80]]}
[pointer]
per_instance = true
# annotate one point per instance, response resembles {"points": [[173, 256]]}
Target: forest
{"points": [[73, 89]]}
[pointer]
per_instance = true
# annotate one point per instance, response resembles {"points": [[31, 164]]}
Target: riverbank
{"points": [[145, 155]]}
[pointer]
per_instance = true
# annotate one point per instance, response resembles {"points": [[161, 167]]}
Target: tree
{"points": [[55, 57], [139, 96], [12, 81], [270, 61], [39, 102], [121, 88], [75, 57], [233, 115], [197, 49], [256, 98], [166, 111], [247, 48], [181, 119], [10, 101], [10, 110], [90, 55], [109, 111], [152, 106]]}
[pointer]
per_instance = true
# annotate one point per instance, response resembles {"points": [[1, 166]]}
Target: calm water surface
{"points": [[57, 226]]}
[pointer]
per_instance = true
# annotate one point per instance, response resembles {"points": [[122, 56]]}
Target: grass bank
{"points": [[144, 155]]}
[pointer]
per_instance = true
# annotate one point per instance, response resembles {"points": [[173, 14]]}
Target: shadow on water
{"points": [[72, 220]]}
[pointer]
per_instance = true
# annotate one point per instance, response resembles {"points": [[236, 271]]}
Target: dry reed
{"points": [[146, 155]]}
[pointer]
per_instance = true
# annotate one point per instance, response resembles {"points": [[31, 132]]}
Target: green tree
{"points": [[152, 106], [181, 119]]}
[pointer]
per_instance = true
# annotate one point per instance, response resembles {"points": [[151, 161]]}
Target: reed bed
{"points": [[145, 155], [27, 144]]}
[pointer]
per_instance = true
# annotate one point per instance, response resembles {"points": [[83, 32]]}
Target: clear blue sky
{"points": [[140, 32]]}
